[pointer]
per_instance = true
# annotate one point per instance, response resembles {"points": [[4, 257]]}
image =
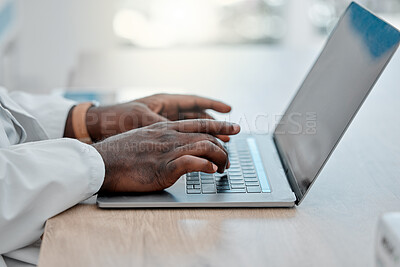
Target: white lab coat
{"points": [[41, 173]]}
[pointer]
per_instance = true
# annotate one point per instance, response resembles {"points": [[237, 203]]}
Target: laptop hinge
{"points": [[288, 173]]}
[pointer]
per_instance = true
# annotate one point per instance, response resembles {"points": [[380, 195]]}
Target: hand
{"points": [[106, 121], [152, 158], [183, 107], [103, 122]]}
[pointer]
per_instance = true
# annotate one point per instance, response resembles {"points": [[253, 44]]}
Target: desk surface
{"points": [[334, 226]]}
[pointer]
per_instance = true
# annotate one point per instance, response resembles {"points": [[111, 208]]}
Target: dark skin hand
{"points": [[106, 121], [153, 158]]}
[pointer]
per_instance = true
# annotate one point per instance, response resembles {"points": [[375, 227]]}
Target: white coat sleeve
{"points": [[49, 110], [39, 180]]}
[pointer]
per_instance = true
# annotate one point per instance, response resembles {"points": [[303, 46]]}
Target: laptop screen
{"points": [[354, 56]]}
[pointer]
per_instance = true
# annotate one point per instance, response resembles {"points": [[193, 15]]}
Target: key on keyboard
{"points": [[242, 177]]}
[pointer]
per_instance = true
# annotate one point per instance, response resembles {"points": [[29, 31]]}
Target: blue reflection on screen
{"points": [[377, 34]]}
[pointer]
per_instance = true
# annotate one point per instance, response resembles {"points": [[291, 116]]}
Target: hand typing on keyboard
{"points": [[244, 175], [152, 158]]}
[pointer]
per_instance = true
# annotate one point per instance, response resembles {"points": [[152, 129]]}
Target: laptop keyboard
{"points": [[245, 175]]}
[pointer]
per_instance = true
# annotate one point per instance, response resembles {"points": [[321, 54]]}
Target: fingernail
{"points": [[215, 167], [236, 127]]}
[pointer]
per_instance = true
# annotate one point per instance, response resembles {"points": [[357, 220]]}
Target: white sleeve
{"points": [[50, 111], [39, 180]]}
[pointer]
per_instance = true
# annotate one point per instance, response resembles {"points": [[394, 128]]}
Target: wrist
{"points": [[101, 148], [93, 123], [68, 131], [79, 125]]}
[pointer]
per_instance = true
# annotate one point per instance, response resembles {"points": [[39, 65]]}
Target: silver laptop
{"points": [[278, 170]]}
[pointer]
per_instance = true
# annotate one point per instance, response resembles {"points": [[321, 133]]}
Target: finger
{"points": [[191, 102], [195, 115], [150, 117], [188, 163], [223, 138], [205, 149], [205, 126], [189, 138]]}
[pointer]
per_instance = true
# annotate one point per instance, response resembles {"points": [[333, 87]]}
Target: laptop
{"points": [[278, 170]]}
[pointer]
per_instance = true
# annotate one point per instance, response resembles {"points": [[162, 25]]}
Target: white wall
{"points": [[52, 34]]}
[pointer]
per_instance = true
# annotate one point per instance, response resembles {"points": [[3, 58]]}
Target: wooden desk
{"points": [[334, 226]]}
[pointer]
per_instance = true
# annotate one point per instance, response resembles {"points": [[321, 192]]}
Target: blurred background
{"points": [[44, 44]]}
